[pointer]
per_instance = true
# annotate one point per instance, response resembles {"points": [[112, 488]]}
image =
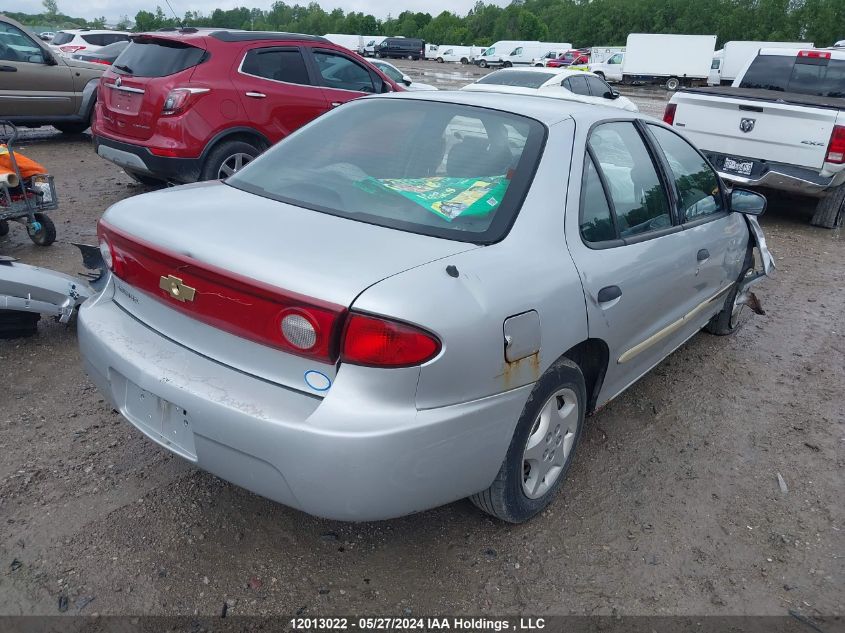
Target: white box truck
{"points": [[729, 61], [352, 42], [669, 60]]}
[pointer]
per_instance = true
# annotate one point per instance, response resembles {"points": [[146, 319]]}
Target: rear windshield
{"points": [[801, 75], [518, 78], [439, 169], [62, 38], [157, 58]]}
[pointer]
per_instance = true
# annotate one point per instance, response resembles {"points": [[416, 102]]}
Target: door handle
{"points": [[703, 255], [8, 69], [609, 293], [256, 95], [336, 103]]}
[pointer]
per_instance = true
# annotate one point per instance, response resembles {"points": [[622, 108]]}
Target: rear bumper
{"points": [[353, 455], [140, 160], [790, 178]]}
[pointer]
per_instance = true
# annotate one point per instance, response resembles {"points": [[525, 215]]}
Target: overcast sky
{"points": [[114, 9]]}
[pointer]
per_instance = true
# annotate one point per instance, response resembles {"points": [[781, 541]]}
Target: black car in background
{"points": [[105, 55], [402, 47]]}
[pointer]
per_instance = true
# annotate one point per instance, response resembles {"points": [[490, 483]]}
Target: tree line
{"points": [[581, 22]]}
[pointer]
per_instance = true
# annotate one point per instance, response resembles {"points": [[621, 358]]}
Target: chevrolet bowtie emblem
{"points": [[176, 289]]}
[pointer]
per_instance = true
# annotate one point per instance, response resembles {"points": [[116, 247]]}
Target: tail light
{"points": [[814, 54], [107, 252], [228, 301], [380, 342], [836, 147], [105, 62], [179, 99], [669, 113], [71, 49]]}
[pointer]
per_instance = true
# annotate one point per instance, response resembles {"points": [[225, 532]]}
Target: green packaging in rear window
{"points": [[446, 197]]}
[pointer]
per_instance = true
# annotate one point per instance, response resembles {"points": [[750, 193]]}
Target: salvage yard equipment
{"points": [[27, 191]]}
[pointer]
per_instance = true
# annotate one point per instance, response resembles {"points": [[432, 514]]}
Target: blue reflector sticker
{"points": [[317, 380]]}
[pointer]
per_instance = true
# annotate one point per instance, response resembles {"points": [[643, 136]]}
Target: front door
{"points": [[630, 252], [31, 83], [277, 90], [343, 78]]}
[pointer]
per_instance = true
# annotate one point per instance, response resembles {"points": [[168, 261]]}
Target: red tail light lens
{"points": [[814, 54], [179, 99], [669, 113], [836, 147], [380, 342], [228, 301]]}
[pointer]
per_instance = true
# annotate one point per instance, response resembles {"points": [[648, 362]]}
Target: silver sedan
{"points": [[416, 298]]}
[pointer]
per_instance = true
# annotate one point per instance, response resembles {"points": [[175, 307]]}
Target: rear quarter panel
{"points": [[530, 269]]}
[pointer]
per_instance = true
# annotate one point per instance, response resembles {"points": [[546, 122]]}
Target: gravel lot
{"points": [[672, 505]]}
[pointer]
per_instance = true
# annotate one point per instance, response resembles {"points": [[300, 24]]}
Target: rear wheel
{"points": [[227, 158], [673, 83], [507, 65], [830, 210], [483, 63], [464, 61], [46, 231], [542, 447], [439, 60]]}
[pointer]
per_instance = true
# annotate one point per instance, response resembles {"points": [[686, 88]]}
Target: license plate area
{"points": [[164, 422], [738, 166], [125, 102]]}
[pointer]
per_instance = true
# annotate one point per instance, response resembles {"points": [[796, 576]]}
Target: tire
{"points": [[148, 181], [599, 74], [506, 65], [672, 84], [729, 320], [482, 63], [71, 128], [464, 61], [227, 154], [830, 210], [46, 235], [4, 227], [560, 387], [439, 60]]}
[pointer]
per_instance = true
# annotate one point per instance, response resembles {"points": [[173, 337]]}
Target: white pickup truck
{"points": [[780, 126]]}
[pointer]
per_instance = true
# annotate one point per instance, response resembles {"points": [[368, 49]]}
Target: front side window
{"points": [[696, 181], [16, 46], [636, 192], [340, 72], [390, 71], [616, 59], [597, 87], [278, 64], [717, 63], [447, 170], [517, 51]]}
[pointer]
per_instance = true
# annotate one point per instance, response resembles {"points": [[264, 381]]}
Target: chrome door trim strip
{"points": [[672, 327]]}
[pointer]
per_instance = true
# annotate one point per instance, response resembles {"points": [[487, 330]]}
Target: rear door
{"points": [[29, 85], [633, 256], [277, 90], [342, 77]]}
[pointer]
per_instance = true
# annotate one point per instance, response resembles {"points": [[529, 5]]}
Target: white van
{"points": [[610, 69], [525, 54], [431, 51], [498, 53], [459, 54], [370, 43]]}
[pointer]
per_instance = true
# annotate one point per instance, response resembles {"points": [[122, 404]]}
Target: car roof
{"points": [[92, 31], [232, 35], [547, 110]]}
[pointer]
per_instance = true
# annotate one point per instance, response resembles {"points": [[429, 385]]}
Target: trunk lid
{"points": [[322, 259], [781, 131], [132, 92]]}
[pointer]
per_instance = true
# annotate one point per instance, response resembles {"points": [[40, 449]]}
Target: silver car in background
{"points": [[416, 298]]}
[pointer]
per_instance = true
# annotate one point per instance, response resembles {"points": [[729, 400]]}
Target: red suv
{"points": [[198, 104], [569, 58]]}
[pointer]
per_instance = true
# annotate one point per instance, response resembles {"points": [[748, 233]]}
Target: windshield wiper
{"points": [[124, 68]]}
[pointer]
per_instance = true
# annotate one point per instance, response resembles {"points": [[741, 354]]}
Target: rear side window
{"points": [[157, 58], [697, 185], [635, 189], [62, 38], [278, 64], [596, 217], [441, 169], [577, 85]]}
